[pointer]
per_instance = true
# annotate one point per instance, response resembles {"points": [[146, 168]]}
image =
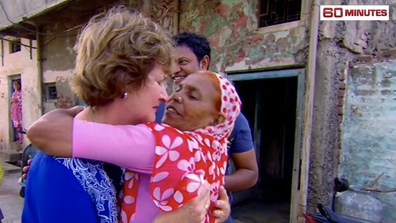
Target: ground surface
{"points": [[11, 205], [10, 202]]}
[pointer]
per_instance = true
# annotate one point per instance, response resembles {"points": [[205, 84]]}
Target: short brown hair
{"points": [[116, 49]]}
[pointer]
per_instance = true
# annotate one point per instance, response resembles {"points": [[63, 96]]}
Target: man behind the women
{"points": [[193, 54]]}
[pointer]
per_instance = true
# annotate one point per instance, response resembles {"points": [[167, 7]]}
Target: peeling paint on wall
{"points": [[230, 27], [59, 57], [369, 130]]}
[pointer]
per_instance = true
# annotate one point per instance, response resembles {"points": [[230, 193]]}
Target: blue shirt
{"points": [[65, 190], [240, 140]]}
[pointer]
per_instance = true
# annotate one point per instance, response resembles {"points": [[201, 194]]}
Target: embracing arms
{"points": [[58, 134], [243, 156]]}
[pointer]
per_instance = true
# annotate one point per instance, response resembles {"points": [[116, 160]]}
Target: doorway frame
{"points": [[297, 159], [11, 130]]}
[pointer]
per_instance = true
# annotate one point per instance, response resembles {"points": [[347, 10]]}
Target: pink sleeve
{"points": [[129, 146]]}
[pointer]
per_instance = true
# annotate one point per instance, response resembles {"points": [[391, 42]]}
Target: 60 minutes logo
{"points": [[354, 12]]}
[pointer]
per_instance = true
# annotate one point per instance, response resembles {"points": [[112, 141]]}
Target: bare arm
{"points": [[246, 173], [129, 146], [54, 130], [244, 157]]}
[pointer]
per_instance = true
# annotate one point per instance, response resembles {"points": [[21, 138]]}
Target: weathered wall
{"points": [[238, 46], [360, 50], [58, 57], [368, 147], [17, 10], [58, 60], [18, 63], [341, 44], [231, 27]]}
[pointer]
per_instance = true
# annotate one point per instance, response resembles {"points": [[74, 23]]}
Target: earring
{"points": [[179, 99], [124, 95]]}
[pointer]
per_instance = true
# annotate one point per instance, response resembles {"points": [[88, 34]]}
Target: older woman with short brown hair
{"points": [[122, 61]]}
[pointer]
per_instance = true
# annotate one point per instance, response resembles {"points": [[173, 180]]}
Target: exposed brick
{"points": [[368, 51], [342, 76], [365, 58], [361, 43], [340, 110], [339, 143], [342, 85], [340, 127], [340, 102], [341, 67], [341, 93], [392, 51]]}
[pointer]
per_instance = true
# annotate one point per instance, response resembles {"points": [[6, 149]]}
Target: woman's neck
{"points": [[106, 115]]}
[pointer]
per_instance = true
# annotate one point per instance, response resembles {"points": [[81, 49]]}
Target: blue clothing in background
{"points": [[160, 113], [65, 190], [80, 103], [240, 140]]}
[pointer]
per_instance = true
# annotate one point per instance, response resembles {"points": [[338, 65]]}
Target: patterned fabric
{"points": [[16, 109], [184, 160], [95, 181]]}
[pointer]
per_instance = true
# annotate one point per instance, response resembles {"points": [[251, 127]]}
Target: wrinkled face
{"points": [[193, 105], [16, 86], [187, 63], [140, 106]]}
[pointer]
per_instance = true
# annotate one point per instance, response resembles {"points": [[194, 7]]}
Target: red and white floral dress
{"points": [[184, 160]]}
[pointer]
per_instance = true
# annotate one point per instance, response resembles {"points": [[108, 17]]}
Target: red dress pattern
{"points": [[184, 160]]}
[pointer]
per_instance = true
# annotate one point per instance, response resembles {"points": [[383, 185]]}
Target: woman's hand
{"points": [[223, 207], [14, 101], [192, 212], [25, 169]]}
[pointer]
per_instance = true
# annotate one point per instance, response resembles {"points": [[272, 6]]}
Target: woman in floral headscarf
{"points": [[178, 156]]}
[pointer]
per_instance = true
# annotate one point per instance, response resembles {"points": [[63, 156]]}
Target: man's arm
{"points": [[244, 157]]}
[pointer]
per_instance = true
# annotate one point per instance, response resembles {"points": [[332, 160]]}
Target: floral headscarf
{"points": [[230, 107], [185, 159]]}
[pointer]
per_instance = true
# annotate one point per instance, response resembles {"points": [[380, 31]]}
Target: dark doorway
{"points": [[270, 107]]}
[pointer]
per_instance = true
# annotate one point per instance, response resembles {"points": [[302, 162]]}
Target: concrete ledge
{"points": [[15, 147], [8, 168], [9, 155]]}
